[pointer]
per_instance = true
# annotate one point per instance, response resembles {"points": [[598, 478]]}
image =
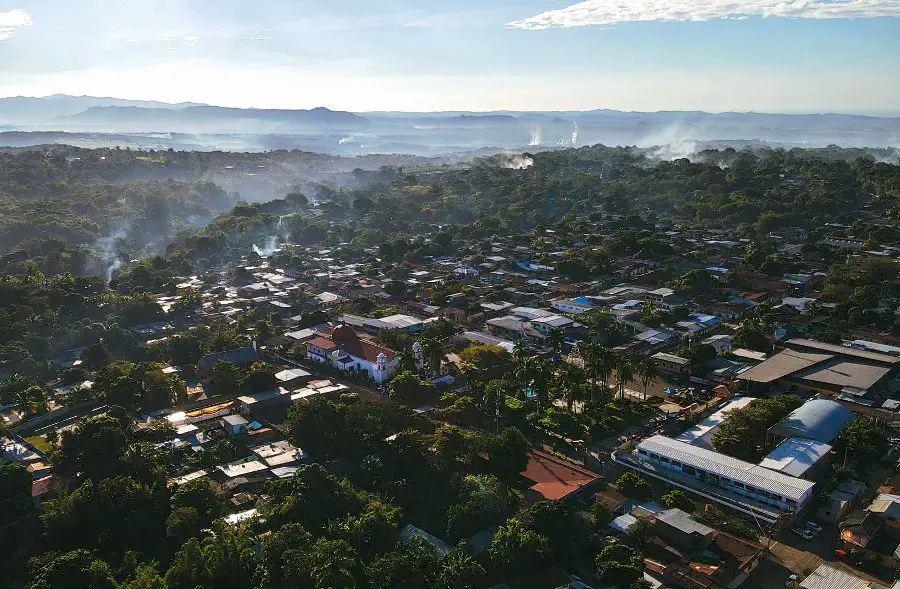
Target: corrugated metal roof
{"points": [[795, 456], [843, 350], [410, 531], [830, 577], [783, 364], [623, 522], [886, 504], [728, 467], [819, 419], [683, 521], [700, 433]]}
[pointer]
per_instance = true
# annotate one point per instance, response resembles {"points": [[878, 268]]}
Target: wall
{"points": [[782, 504]]}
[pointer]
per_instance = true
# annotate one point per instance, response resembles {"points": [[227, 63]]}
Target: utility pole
{"points": [[497, 412]]}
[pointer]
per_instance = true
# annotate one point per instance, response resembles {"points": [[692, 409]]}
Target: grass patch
{"points": [[597, 422], [40, 443]]}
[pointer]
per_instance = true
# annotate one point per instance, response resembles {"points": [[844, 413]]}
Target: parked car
{"points": [[841, 555], [814, 527], [791, 580], [803, 533]]}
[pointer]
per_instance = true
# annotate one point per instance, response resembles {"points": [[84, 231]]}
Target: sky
{"points": [[477, 55]]}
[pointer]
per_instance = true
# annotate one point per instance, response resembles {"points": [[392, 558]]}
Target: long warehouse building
{"points": [[736, 484]]}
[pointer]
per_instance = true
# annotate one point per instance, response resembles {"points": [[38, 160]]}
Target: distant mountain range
{"points": [[199, 126], [135, 118], [22, 109]]}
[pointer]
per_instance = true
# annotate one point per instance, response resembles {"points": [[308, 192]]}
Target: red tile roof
{"points": [[350, 343], [366, 350], [41, 486], [321, 342], [554, 477]]}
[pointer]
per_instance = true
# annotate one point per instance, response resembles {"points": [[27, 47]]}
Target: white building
{"points": [[390, 323], [796, 457], [347, 352], [672, 364], [736, 484], [574, 306], [329, 299], [721, 343]]}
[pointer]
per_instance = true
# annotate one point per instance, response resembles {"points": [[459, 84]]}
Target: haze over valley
{"points": [[96, 122], [517, 294]]}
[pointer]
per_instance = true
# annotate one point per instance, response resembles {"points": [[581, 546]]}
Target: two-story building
{"points": [[346, 351], [736, 484], [672, 364]]}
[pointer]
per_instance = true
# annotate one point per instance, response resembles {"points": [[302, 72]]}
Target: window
{"points": [[643, 452], [689, 469]]}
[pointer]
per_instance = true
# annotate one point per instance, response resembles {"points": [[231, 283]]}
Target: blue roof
{"points": [[820, 419]]}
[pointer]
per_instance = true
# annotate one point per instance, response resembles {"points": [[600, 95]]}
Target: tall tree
{"points": [[600, 363], [554, 341], [625, 369], [15, 493], [572, 384], [434, 350], [647, 371]]}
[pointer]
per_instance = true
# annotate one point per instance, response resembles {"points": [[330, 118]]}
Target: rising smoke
{"points": [[517, 162], [108, 257], [537, 135], [671, 143], [268, 247]]}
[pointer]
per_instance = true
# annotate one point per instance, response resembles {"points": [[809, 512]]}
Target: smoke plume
{"points": [[517, 162], [268, 247]]}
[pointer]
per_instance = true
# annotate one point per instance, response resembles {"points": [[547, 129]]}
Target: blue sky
{"points": [[363, 55]]}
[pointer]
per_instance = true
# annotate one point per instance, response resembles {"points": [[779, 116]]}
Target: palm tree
{"points": [[524, 372], [600, 362], [572, 385], [25, 400], [625, 368], [335, 573], [554, 341], [540, 384], [647, 371], [589, 353], [434, 351], [521, 350], [12, 385], [406, 361], [458, 569]]}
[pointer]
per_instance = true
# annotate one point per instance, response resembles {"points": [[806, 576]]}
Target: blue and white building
{"points": [[732, 483]]}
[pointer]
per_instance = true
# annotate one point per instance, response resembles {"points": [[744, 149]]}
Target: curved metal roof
{"points": [[820, 419]]}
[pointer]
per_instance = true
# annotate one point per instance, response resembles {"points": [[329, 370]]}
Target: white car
{"points": [[805, 534], [791, 580], [814, 527]]}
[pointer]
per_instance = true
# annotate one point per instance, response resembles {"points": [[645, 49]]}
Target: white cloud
{"points": [[611, 12], [12, 21]]}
